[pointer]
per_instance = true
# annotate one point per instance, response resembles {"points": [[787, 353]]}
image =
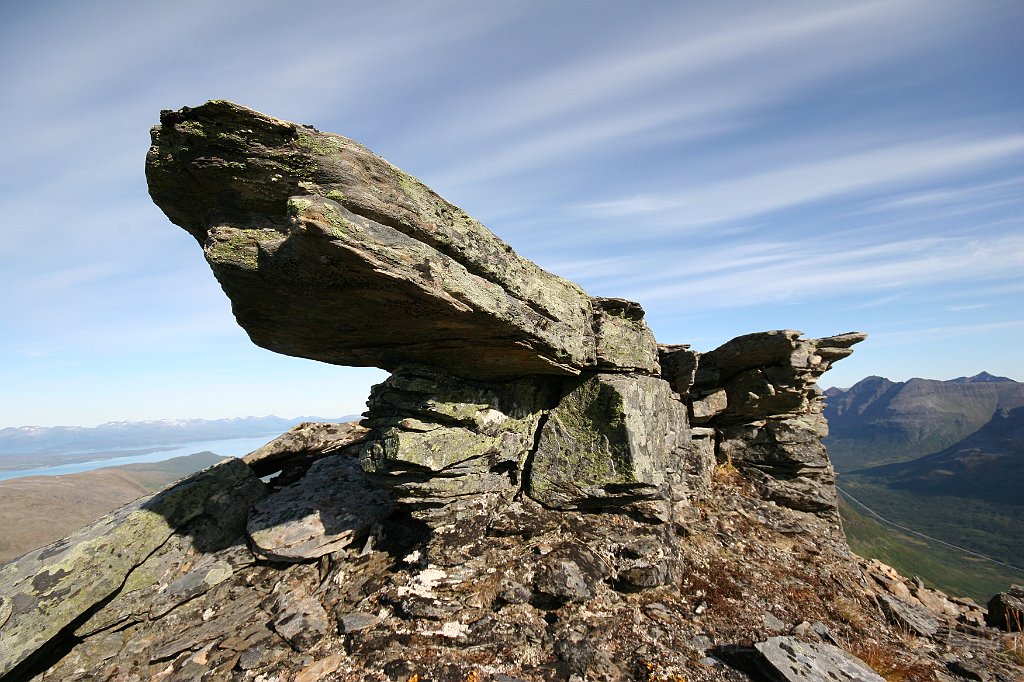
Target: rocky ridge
{"points": [[538, 491]]}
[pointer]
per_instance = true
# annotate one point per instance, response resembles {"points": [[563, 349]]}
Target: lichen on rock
{"points": [[537, 492], [611, 437]]}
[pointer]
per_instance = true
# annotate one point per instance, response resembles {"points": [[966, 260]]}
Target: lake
{"points": [[230, 447]]}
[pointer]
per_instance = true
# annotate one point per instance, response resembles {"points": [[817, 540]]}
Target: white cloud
{"points": [[695, 57], [795, 184], [947, 332], [698, 81], [810, 270]]}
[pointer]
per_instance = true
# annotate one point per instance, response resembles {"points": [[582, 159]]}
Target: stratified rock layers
{"points": [[456, 526], [759, 392], [329, 252]]}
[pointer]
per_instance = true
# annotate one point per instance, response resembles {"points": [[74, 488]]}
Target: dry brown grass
{"points": [[1014, 645], [726, 473], [850, 612], [893, 665]]}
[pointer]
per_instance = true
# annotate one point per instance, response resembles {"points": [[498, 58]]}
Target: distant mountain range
{"points": [[944, 458], [26, 440], [877, 421]]}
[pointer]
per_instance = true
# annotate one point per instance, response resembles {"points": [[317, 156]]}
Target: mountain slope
{"points": [[939, 565], [987, 465], [37, 510], [878, 421]]}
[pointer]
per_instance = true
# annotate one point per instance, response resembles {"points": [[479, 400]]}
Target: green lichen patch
{"points": [[190, 128], [609, 434], [318, 144], [233, 247]]}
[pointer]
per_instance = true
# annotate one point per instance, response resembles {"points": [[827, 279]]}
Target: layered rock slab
{"points": [[327, 510], [437, 436], [56, 587], [329, 252], [759, 393], [309, 439], [791, 660]]}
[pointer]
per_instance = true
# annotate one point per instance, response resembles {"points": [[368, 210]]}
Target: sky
{"points": [[734, 167]]}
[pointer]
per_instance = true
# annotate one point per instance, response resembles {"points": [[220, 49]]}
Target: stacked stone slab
{"points": [[759, 393], [506, 378]]}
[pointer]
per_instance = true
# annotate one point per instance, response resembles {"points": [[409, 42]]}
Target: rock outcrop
{"points": [[537, 492], [312, 237], [759, 392], [1006, 609], [61, 588]]}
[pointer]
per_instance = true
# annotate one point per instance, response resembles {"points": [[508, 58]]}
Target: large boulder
{"points": [[1006, 609], [612, 438], [329, 252]]}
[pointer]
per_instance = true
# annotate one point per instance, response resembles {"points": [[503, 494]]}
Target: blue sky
{"points": [[734, 167]]}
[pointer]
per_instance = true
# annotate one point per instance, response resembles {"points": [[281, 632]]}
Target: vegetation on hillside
{"points": [[940, 566]]}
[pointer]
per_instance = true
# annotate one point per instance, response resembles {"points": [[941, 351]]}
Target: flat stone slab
{"points": [[916, 619], [792, 660], [306, 438], [329, 252]]}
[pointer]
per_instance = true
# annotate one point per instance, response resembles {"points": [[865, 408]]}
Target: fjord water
{"points": [[229, 447]]}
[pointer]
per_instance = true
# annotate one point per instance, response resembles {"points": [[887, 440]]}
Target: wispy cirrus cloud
{"points": [[789, 185], [756, 273], [719, 74]]}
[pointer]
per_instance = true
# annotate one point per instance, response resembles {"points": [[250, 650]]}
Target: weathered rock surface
{"points": [[770, 374], [1006, 609], [791, 660], [329, 252], [611, 436], [678, 366], [622, 338], [313, 438], [492, 587], [328, 509], [759, 392], [52, 588], [909, 617], [436, 436]]}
